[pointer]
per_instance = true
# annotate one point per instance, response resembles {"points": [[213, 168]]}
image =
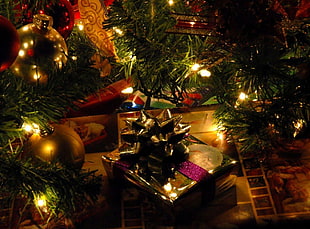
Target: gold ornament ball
{"points": [[42, 49], [63, 145]]}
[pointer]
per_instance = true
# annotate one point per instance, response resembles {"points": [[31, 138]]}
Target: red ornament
{"points": [[292, 9], [62, 13], [9, 43], [63, 16], [108, 2], [196, 5], [74, 2], [304, 9], [23, 14]]}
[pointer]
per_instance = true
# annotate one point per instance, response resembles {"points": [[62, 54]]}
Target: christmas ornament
{"points": [[23, 13], [63, 16], [93, 14], [42, 49], [193, 24], [61, 11], [196, 6], [292, 9], [9, 43], [108, 2], [74, 2], [62, 145]]}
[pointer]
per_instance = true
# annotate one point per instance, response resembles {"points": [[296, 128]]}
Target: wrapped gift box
{"points": [[192, 186], [159, 157]]}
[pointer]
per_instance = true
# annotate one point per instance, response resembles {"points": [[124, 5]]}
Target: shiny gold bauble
{"points": [[63, 145], [42, 49]]}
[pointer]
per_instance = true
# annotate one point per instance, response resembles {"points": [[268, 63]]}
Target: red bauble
{"points": [[63, 16], [9, 43], [108, 2], [74, 2], [62, 13], [292, 9]]}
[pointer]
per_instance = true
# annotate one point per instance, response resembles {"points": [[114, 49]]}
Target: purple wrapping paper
{"points": [[193, 171], [187, 168]]}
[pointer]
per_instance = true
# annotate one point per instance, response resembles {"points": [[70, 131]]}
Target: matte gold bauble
{"points": [[42, 49], [63, 145]]}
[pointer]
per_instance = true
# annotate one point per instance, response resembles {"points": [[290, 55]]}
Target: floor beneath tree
{"points": [[125, 207], [241, 206]]}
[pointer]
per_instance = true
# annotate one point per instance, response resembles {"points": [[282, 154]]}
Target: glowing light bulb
{"points": [[205, 73], [220, 136], [35, 128], [41, 202], [195, 67], [21, 53], [298, 124], [118, 31], [170, 2], [25, 45], [168, 187], [31, 128], [242, 96], [25, 28], [80, 26], [36, 76], [128, 90], [27, 127], [173, 195]]}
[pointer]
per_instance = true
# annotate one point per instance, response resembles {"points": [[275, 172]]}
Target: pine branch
{"points": [[162, 60], [66, 190]]}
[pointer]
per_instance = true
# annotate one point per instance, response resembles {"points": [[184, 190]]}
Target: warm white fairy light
{"points": [[173, 195], [128, 90], [170, 2], [32, 128], [298, 124], [36, 76], [195, 67], [25, 45], [27, 127], [168, 187], [25, 28], [118, 31], [204, 73], [80, 25], [220, 136], [243, 96], [40, 202], [21, 53]]}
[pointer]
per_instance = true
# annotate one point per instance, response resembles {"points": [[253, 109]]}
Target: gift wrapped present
{"points": [[161, 158]]}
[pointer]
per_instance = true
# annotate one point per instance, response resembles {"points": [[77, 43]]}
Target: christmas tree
{"points": [[252, 57], [257, 53], [46, 69]]}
